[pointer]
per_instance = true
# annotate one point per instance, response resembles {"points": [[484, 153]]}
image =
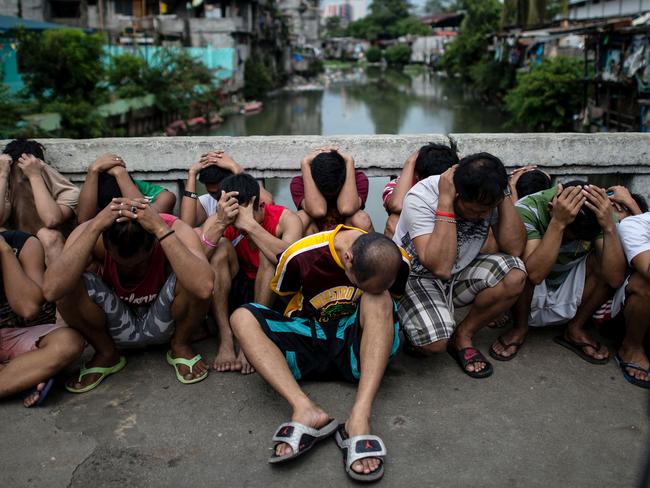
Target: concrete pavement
{"points": [[546, 419]]}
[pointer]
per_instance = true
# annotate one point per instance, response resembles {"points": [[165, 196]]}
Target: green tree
{"points": [[527, 13], [398, 54], [547, 97], [258, 80], [409, 25], [388, 19], [440, 6], [373, 55], [10, 110], [471, 44], [129, 75], [61, 63]]}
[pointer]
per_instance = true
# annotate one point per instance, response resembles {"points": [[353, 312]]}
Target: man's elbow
{"points": [[316, 212], [28, 309], [52, 222], [393, 206], [535, 278], [442, 273]]}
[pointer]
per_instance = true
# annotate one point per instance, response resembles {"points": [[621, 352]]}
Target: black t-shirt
{"points": [[8, 318]]}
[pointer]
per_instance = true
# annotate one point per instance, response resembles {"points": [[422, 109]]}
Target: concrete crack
{"points": [[79, 465]]}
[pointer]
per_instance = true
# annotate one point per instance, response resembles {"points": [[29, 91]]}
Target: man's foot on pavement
{"points": [[246, 367], [185, 351], [576, 335], [361, 426], [311, 416], [460, 342], [635, 356], [226, 360], [98, 360], [33, 398], [508, 344]]}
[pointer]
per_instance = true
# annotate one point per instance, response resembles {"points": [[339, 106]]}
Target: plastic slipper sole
{"points": [[41, 394], [175, 362], [344, 442], [498, 357], [104, 372], [315, 436], [631, 379], [576, 347]]}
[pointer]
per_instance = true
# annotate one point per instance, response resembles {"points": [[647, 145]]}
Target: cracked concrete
{"points": [[545, 419]]}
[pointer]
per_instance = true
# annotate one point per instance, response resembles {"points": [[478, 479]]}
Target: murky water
{"points": [[367, 101]]}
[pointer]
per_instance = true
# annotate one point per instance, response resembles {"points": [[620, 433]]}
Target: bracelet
{"points": [[446, 214], [190, 194], [166, 235], [444, 219], [207, 242]]}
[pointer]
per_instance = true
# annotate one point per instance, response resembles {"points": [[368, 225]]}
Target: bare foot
{"points": [[636, 356], [508, 344], [311, 416], [246, 367], [580, 336], [361, 426], [98, 360], [33, 398], [225, 360], [186, 352]]}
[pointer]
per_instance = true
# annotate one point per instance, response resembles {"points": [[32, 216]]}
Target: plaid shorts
{"points": [[426, 311]]}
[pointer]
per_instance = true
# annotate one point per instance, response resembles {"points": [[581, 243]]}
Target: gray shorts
{"points": [[426, 311], [134, 326]]}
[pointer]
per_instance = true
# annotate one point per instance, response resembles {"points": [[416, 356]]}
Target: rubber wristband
{"points": [[166, 235], [190, 194], [446, 214], [207, 242]]}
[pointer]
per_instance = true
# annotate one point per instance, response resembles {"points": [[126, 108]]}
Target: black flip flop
{"points": [[470, 355], [577, 347], [635, 381], [499, 357]]}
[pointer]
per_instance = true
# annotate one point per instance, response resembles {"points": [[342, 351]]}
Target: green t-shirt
{"points": [[148, 190], [533, 210]]}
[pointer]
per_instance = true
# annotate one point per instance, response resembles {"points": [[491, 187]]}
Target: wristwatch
{"points": [[190, 194]]}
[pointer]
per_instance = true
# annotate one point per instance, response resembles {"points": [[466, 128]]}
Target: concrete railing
{"points": [[623, 156]]}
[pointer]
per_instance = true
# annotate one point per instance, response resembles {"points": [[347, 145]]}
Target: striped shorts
{"points": [[426, 311]]}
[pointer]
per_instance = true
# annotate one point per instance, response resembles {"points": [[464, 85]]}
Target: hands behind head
{"points": [[215, 158], [108, 163], [125, 209], [447, 189], [30, 165], [598, 202], [568, 202], [325, 149], [227, 209]]}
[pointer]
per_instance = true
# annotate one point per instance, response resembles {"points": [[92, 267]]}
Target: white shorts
{"points": [[618, 302], [552, 307]]}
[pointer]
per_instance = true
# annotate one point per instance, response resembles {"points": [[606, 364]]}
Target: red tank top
{"points": [[147, 290], [249, 259]]}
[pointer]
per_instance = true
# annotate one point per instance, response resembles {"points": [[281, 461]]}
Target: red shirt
{"points": [[145, 292], [249, 258], [297, 188]]}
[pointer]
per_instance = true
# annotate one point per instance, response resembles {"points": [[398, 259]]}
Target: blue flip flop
{"points": [[41, 394], [635, 381]]}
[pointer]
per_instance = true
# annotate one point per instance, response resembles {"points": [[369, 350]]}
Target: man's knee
{"points": [[514, 282], [50, 238], [66, 344], [361, 220], [638, 289], [241, 320]]}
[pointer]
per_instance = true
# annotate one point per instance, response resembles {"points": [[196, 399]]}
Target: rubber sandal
{"points": [[300, 438], [360, 447], [104, 372], [577, 347], [635, 381], [499, 357], [470, 355], [175, 362], [41, 394]]}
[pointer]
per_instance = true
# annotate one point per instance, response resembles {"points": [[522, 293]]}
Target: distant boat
{"points": [[251, 107]]}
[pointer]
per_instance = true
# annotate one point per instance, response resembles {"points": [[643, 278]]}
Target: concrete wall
{"points": [[166, 159]]}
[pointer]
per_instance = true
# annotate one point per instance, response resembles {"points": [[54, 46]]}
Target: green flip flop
{"points": [[104, 372], [175, 362]]}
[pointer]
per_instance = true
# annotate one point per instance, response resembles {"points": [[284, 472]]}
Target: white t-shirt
{"points": [[418, 213], [634, 233], [209, 204]]}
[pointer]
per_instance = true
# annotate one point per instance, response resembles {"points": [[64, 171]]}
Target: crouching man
{"points": [[340, 322], [155, 286]]}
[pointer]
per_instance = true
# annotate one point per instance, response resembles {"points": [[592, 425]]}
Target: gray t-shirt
{"points": [[418, 213]]}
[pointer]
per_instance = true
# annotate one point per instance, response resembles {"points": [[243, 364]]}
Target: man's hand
{"points": [[106, 162], [346, 156], [598, 202], [311, 155], [227, 208], [222, 160], [30, 165], [619, 194], [202, 163], [566, 204], [5, 165], [245, 218], [140, 210], [447, 189], [109, 214], [516, 174], [4, 245]]}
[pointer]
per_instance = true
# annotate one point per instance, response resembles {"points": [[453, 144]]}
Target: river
{"points": [[367, 101]]}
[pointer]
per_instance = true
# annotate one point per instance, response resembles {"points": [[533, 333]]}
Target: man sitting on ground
{"points": [[37, 199], [432, 159], [444, 226], [155, 286], [211, 169], [634, 299], [32, 347], [574, 261], [340, 322], [108, 175], [244, 261], [330, 192], [528, 180]]}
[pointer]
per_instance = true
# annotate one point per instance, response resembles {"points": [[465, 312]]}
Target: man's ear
{"points": [[348, 257]]}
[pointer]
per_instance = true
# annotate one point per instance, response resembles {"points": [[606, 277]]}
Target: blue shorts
{"points": [[315, 350]]}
